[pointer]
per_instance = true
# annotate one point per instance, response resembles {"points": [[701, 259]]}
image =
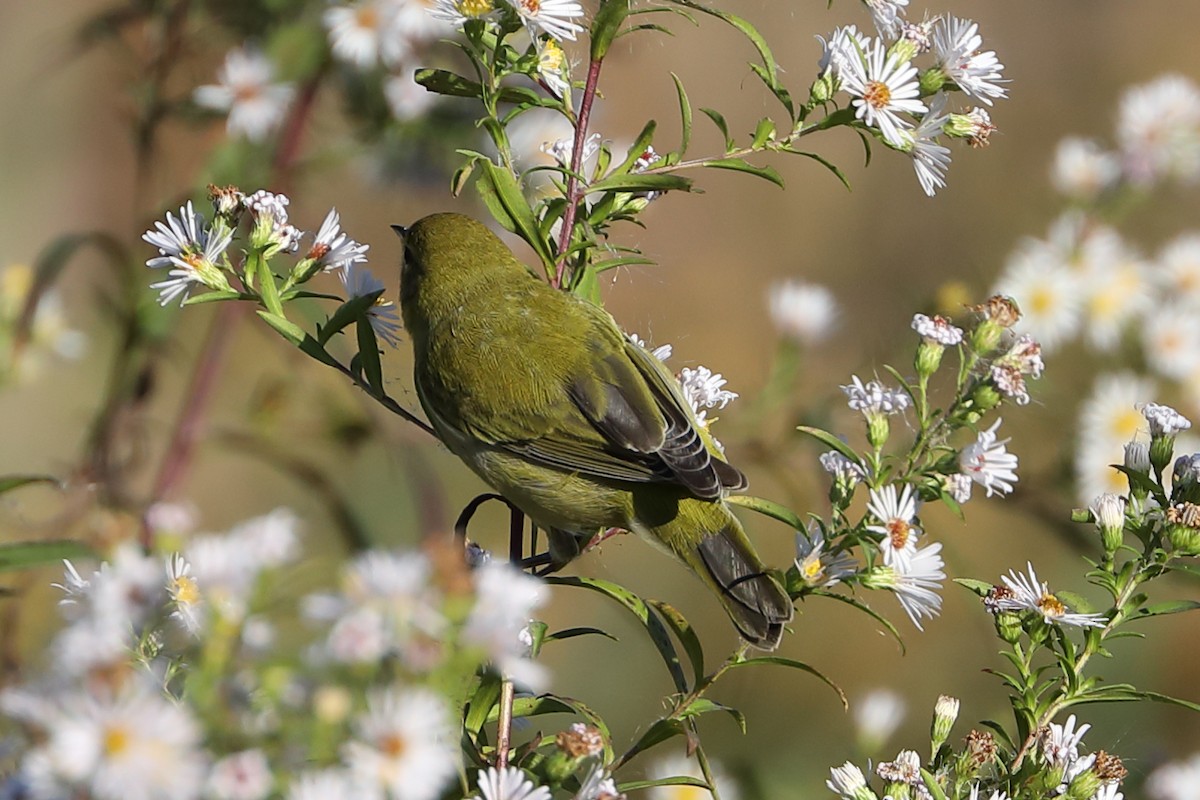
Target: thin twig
{"points": [[504, 732]]}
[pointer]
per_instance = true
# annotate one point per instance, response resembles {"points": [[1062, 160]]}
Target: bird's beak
{"points": [[400, 230]]}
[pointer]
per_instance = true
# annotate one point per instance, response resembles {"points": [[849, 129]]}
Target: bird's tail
{"points": [[752, 596]]}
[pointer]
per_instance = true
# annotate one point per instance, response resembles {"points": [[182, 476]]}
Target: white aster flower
{"points": [[1109, 791], [245, 775], [245, 90], [1082, 169], [916, 585], [416, 23], [1163, 420], [1177, 780], [848, 781], [1118, 292], [269, 211], [878, 715], [190, 251], [816, 567], [1171, 340], [1158, 129], [332, 249], [682, 766], [1178, 270], [896, 513], [802, 312], [874, 398], [930, 159], [883, 87], [369, 32], [269, 541], [383, 315], [553, 17], [553, 66], [1060, 743], [185, 594], [1108, 420], [937, 329], [505, 599], [562, 150], [406, 98], [888, 15], [1048, 293], [844, 44], [703, 388], [1030, 594], [322, 785], [662, 352], [509, 783], [404, 745], [989, 463], [175, 519], [841, 468], [956, 44], [905, 769], [598, 785], [459, 12]]}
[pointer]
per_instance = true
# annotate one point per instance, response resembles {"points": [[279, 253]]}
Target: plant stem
{"points": [[573, 195], [504, 731]]}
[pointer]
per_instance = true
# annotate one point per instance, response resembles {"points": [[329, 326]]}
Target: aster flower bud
{"points": [[936, 335], [979, 750], [1109, 512], [931, 81], [1137, 457], [1183, 528], [849, 782], [985, 397], [822, 89], [227, 203], [945, 712], [1083, 786], [1008, 622], [1165, 422], [903, 50], [1185, 479]]}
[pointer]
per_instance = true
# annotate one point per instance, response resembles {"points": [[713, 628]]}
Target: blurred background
{"points": [[281, 430]]}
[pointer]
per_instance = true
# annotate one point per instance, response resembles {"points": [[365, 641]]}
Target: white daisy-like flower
{"points": [[816, 567], [956, 44], [930, 159], [1049, 294], [370, 32], [245, 89], [404, 745], [1176, 780], [989, 463], [510, 783], [888, 15], [553, 66], [803, 312], [333, 249], [459, 12], [1158, 129], [598, 785], [704, 388], [322, 785], [896, 513], [848, 781], [1060, 743], [844, 44], [1164, 420], [1082, 169], [269, 541], [874, 398], [384, 316], [878, 716], [1117, 293], [406, 98], [178, 519], [185, 594], [1108, 420], [680, 765], [1030, 594], [190, 251], [553, 17], [1171, 340], [240, 776], [842, 468], [937, 329], [562, 150], [884, 87], [505, 599], [662, 352], [271, 227], [905, 769], [915, 584], [1178, 270]]}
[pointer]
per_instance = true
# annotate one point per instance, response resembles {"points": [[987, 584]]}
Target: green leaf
{"points": [[722, 126], [660, 731], [686, 634], [217, 296], [771, 69], [768, 508], [641, 182], [826, 163], [1163, 609], [480, 705], [638, 607], [368, 352], [288, 329], [777, 89], [740, 165], [605, 24], [500, 192], [640, 144], [679, 780], [762, 132], [558, 704], [270, 290], [571, 633], [685, 115], [829, 440], [1076, 601], [702, 705], [622, 261], [931, 784], [800, 665], [460, 177], [980, 588], [314, 349], [350, 311], [441, 81], [586, 284], [866, 609], [22, 555], [10, 482]]}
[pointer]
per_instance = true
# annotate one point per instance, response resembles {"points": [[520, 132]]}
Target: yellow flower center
{"points": [[898, 532], [366, 17], [532, 7], [1051, 606], [185, 591], [393, 745], [811, 569], [877, 94], [116, 741], [1042, 301], [475, 8]]}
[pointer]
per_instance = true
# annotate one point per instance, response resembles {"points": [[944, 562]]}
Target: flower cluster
{"points": [[904, 105]]}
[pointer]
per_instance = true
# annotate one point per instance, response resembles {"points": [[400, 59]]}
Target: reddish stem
{"points": [[573, 194]]}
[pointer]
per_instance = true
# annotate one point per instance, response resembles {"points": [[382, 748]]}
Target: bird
{"points": [[541, 394]]}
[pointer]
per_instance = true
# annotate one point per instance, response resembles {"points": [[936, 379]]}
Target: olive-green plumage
{"points": [[544, 398]]}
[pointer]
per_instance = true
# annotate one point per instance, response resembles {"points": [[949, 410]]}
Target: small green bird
{"points": [[544, 398]]}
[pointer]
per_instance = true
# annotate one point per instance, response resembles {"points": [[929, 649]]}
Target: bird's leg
{"points": [[602, 537]]}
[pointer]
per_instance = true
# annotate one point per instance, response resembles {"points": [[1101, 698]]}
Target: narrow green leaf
{"points": [[10, 482], [740, 165], [1166, 698], [659, 732], [558, 704], [800, 665], [622, 261], [586, 284], [441, 81], [679, 780], [768, 508], [686, 634], [606, 24], [508, 205], [749, 31], [702, 705], [980, 588], [353, 309], [639, 146], [368, 351], [776, 88], [826, 163], [486, 695], [762, 132], [1000, 732], [270, 290], [571, 633], [1163, 609], [288, 329], [685, 116], [314, 349], [461, 175], [722, 126], [641, 182], [638, 607], [217, 296], [22, 555], [931, 784], [829, 440]]}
